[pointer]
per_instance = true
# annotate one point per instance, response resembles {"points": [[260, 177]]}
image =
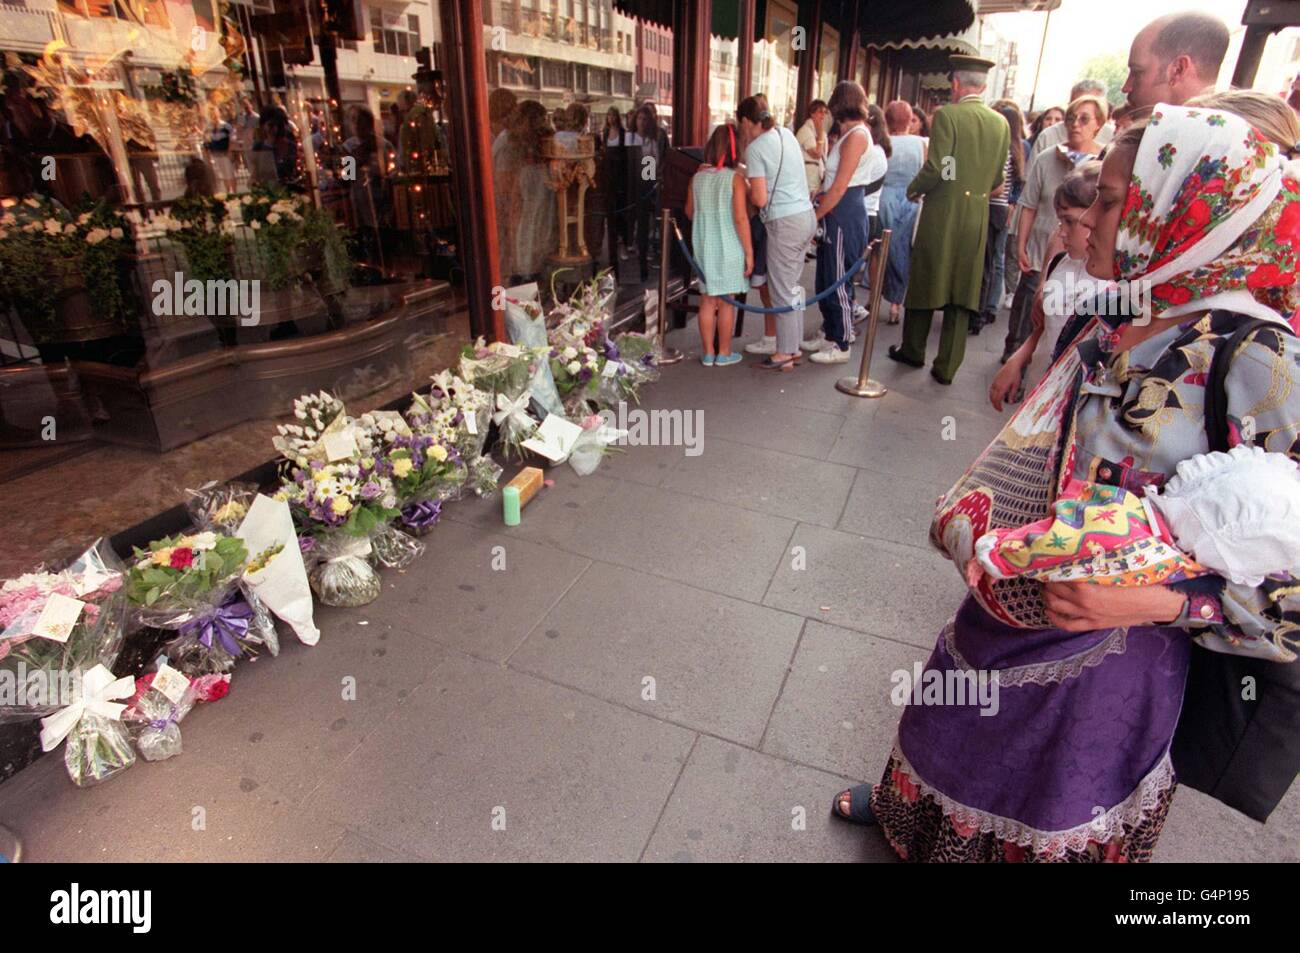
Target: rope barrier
{"points": [[645, 197], [758, 309]]}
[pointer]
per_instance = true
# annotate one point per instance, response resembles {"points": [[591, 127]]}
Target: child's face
{"points": [[1074, 232]]}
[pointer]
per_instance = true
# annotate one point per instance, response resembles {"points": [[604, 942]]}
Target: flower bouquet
{"points": [[583, 318], [220, 507], [506, 371], [162, 698], [593, 443], [59, 633], [526, 326], [189, 584], [425, 473], [459, 415], [321, 418], [385, 443], [277, 574], [341, 505], [636, 353], [577, 370]]}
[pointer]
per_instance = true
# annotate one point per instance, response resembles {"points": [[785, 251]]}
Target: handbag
{"points": [[1013, 482], [1242, 752]]}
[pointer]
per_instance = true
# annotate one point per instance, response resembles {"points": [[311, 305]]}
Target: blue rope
{"points": [[645, 197], [758, 309]]}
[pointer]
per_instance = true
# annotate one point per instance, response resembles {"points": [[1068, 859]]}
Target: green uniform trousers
{"points": [[952, 343]]}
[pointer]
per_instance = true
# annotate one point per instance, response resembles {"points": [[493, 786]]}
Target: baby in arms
{"points": [[1236, 514]]}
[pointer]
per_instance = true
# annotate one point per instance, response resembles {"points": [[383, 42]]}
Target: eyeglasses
{"points": [[1079, 119]]}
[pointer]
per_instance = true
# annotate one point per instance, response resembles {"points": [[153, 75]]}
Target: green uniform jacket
{"points": [[968, 150]]}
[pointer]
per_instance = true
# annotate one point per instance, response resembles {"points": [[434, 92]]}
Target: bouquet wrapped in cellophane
{"points": [[162, 698], [60, 632], [423, 473], [596, 440], [506, 371], [459, 415], [275, 572], [577, 372], [583, 318], [339, 497], [634, 356], [220, 507], [190, 584], [526, 326]]}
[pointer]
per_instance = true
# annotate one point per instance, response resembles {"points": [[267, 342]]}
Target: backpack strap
{"points": [[1216, 384]]}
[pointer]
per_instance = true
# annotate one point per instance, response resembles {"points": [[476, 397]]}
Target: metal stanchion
{"points": [[863, 385], [667, 355]]}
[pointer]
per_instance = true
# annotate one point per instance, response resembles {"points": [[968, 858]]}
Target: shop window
{"points": [[215, 237]]}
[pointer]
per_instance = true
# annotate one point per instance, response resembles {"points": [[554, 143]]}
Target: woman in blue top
{"points": [[897, 212], [779, 189]]}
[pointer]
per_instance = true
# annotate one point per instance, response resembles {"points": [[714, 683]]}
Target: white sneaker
{"points": [[817, 342], [859, 313], [831, 355], [763, 345]]}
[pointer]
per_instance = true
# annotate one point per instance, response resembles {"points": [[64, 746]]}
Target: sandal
{"points": [[859, 805], [768, 364]]}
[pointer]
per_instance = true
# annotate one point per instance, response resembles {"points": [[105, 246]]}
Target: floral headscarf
{"points": [[1211, 220]]}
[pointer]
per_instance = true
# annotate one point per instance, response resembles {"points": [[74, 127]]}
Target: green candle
{"points": [[510, 504]]}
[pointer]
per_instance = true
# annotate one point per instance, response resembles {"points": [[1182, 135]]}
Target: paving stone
{"points": [[765, 480], [455, 596], [288, 720], [888, 508], [734, 804], [717, 663], [899, 592], [184, 809], [355, 849], [575, 779], [1200, 829], [658, 532], [835, 711]]}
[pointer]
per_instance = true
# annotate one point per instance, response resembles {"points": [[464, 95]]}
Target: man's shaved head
{"points": [[1174, 58]]}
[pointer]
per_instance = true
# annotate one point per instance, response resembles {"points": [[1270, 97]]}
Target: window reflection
{"points": [[199, 220]]}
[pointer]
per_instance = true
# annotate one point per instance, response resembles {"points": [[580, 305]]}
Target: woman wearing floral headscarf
{"points": [[1069, 758]]}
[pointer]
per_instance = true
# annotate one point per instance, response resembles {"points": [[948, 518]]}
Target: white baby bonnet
{"points": [[1236, 513]]}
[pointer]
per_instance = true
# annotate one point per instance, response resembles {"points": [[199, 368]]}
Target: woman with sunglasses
{"points": [[1037, 223]]}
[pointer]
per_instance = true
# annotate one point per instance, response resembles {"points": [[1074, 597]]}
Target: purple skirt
{"points": [[1061, 753]]}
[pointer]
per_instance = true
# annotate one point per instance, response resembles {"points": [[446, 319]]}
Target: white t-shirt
{"points": [[1068, 285], [877, 164], [859, 176]]}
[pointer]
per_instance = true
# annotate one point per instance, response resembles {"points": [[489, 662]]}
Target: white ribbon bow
{"points": [[97, 687], [514, 413]]}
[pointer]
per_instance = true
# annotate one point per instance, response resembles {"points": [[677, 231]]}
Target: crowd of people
{"points": [[1155, 246]]}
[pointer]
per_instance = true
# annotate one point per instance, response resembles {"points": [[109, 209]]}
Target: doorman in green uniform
{"points": [[968, 150]]}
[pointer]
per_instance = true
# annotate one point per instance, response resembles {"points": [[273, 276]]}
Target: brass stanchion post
{"points": [[667, 355], [863, 385]]}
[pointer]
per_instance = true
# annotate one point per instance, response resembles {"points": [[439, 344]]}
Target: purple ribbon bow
{"points": [[160, 724], [227, 623], [422, 515]]}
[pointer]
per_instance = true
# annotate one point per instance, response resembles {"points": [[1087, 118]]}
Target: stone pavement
{"points": [[521, 693]]}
